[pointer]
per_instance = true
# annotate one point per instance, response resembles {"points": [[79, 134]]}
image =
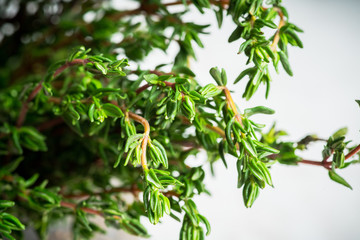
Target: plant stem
{"points": [[85, 209], [145, 139], [146, 86], [25, 106], [352, 152], [134, 191], [316, 163], [277, 34], [32, 95], [231, 104], [216, 129], [69, 64]]}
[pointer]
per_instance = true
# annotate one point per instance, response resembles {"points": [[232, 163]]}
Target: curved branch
{"points": [[69, 64], [277, 34]]}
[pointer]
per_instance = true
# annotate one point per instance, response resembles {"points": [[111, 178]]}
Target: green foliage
{"points": [[74, 120]]}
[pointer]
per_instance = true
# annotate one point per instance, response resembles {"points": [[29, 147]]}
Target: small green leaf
{"points": [[73, 113], [150, 77], [285, 62], [12, 220], [296, 38], [222, 153], [6, 204], [112, 110], [358, 102], [223, 76], [151, 177], [228, 132], [101, 67], [131, 140], [236, 34], [215, 73], [162, 152], [184, 70], [91, 112], [8, 236], [249, 72], [16, 140], [82, 218], [11, 166], [337, 178], [248, 147], [209, 91], [207, 224], [339, 133], [256, 110]]}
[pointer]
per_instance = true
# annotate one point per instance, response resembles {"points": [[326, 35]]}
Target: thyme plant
{"points": [[82, 122]]}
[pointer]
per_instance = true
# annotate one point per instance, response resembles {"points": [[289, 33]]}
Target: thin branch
{"points": [[146, 86], [32, 95], [352, 152], [69, 64], [145, 139], [85, 209], [316, 163], [231, 104], [119, 15], [277, 34], [325, 160], [134, 191], [25, 106], [216, 129]]}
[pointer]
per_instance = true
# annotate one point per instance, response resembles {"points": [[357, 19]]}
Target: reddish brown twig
{"points": [[25, 106], [352, 152], [32, 95], [146, 86], [316, 163], [134, 191], [69, 64], [85, 209]]}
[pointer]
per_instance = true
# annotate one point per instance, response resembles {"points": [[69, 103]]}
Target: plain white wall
{"points": [[319, 99]]}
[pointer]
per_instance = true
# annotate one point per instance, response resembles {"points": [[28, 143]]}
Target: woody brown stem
{"points": [[352, 152], [231, 104], [277, 34], [316, 163]]}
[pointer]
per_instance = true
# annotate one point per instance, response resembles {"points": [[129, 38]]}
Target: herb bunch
{"points": [[81, 129]]}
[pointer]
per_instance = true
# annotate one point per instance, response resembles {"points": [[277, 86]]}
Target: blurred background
{"points": [[319, 99]]}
